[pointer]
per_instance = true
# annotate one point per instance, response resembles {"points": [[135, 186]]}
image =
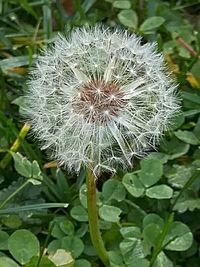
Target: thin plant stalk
{"points": [[159, 247], [163, 234], [93, 219], [22, 134], [2, 205], [45, 244], [185, 187]]}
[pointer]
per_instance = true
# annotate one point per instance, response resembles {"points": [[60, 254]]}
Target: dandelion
{"points": [[99, 98]]}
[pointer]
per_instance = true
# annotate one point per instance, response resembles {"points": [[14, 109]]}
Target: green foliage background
{"points": [[149, 216]]}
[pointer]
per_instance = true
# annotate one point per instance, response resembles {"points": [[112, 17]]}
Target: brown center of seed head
{"points": [[98, 101]]}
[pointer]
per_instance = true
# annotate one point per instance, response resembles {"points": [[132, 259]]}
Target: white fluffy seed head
{"points": [[99, 98]]}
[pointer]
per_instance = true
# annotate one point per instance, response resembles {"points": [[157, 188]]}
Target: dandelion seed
{"points": [[99, 98]]}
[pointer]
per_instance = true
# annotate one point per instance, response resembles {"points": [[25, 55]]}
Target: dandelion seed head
{"points": [[100, 98], [99, 101]]}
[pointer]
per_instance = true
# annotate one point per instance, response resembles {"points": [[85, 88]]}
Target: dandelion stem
{"points": [[93, 219]]}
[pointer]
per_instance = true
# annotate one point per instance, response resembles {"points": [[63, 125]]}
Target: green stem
{"points": [[45, 243], [93, 219], [14, 194], [159, 247], [185, 187], [22, 134], [163, 234]]}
